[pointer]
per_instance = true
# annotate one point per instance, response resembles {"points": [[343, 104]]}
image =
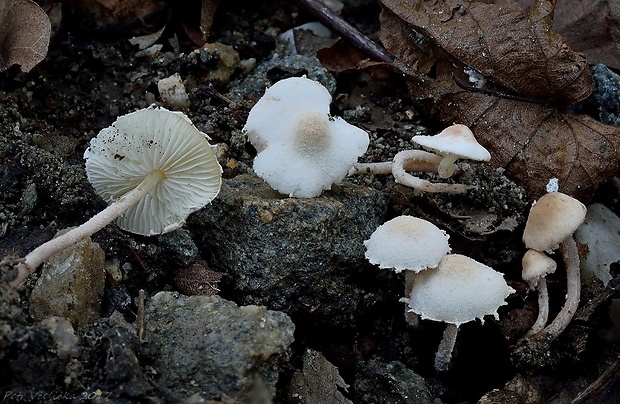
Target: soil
{"points": [[92, 75]]}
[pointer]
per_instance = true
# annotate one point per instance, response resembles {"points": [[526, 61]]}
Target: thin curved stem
{"points": [[384, 167], [403, 158], [428, 166], [570, 255], [42, 253], [543, 308], [443, 357]]}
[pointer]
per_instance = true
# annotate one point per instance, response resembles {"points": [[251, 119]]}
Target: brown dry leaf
{"points": [[197, 279], [533, 142], [318, 382], [121, 13], [24, 34], [520, 53], [591, 27], [513, 47]]}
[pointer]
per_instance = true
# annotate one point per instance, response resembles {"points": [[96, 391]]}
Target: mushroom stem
{"points": [[404, 158], [570, 255], [443, 357], [411, 318], [40, 254], [543, 308], [447, 167], [384, 167], [430, 164]]}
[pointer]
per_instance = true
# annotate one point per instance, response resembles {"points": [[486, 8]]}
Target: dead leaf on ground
{"points": [[117, 13], [318, 382], [591, 27], [197, 279], [512, 47], [535, 143], [24, 34]]}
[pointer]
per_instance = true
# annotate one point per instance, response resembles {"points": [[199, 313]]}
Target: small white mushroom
{"points": [[154, 168], [459, 290], [550, 224], [600, 232], [409, 244], [302, 149], [453, 143], [536, 266]]}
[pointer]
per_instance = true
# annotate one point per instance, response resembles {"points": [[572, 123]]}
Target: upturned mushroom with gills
{"points": [[153, 167]]}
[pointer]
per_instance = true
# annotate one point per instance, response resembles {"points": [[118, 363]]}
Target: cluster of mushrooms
{"points": [[306, 155], [311, 150], [154, 168], [439, 286]]}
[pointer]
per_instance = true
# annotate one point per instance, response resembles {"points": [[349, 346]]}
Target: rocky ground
{"points": [[259, 298]]}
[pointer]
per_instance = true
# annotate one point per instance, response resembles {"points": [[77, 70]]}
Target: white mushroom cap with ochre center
{"points": [[302, 150], [453, 143], [407, 243], [166, 146]]}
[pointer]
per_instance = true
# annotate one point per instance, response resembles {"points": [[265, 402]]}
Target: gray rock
{"points": [[71, 284], [393, 382], [268, 72], [178, 247], [605, 95], [209, 346], [294, 255]]}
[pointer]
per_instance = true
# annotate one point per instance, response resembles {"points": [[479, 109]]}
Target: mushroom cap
{"points": [[457, 140], [302, 150], [459, 290], [407, 242], [121, 155], [553, 218], [600, 232], [536, 265]]}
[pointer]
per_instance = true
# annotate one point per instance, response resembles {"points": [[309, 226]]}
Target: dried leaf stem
{"points": [[347, 31]]}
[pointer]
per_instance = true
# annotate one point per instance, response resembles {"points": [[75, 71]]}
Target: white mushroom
{"points": [[453, 143], [536, 266], [409, 244], [600, 232], [154, 168], [302, 150], [550, 224], [459, 290]]}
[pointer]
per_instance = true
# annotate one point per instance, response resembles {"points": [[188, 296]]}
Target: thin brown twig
{"points": [[140, 316], [347, 31]]}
